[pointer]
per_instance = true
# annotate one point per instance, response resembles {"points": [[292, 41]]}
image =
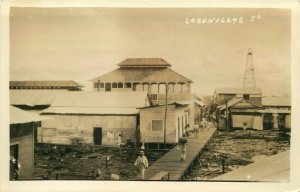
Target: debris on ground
{"points": [[230, 150], [73, 162]]}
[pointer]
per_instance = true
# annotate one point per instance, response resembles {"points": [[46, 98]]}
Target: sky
{"points": [[83, 43]]}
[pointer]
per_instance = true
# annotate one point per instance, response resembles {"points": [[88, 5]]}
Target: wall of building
{"points": [[62, 128], [147, 115], [197, 114], [26, 152], [253, 121], [221, 98]]}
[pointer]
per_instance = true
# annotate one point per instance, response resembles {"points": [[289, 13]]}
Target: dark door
{"points": [[268, 121], [107, 86], [97, 135], [13, 166]]}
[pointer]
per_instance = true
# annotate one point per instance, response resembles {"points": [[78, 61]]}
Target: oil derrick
{"points": [[249, 77]]}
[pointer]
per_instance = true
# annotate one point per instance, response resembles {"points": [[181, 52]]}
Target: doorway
{"points": [[268, 121], [97, 135]]}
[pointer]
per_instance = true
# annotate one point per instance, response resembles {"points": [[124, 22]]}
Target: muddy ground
{"points": [[235, 149], [64, 162], [238, 148]]}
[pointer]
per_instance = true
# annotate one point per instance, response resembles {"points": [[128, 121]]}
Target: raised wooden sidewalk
{"points": [[171, 163]]}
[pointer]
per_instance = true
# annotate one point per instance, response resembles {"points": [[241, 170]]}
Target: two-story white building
{"points": [[163, 85]]}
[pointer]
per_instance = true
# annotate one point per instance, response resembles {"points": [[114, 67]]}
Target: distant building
{"points": [[253, 95], [62, 85], [22, 125], [277, 113], [240, 111], [273, 114]]}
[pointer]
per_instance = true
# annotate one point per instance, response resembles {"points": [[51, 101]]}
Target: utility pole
{"points": [[165, 122], [227, 115]]}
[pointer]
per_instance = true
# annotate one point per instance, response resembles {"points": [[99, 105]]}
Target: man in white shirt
{"points": [[142, 163]]}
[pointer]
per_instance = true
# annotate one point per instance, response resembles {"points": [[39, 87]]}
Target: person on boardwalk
{"points": [[182, 146], [204, 123], [142, 163], [196, 130]]}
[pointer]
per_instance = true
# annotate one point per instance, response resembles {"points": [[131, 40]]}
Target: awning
{"points": [[200, 103], [20, 116]]}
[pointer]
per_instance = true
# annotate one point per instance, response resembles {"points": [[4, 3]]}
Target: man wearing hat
{"points": [[142, 163]]}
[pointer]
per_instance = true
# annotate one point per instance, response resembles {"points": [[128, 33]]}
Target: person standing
{"points": [[182, 146], [142, 163], [196, 130], [119, 141]]}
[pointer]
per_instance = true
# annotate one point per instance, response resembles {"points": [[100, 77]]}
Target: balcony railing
{"points": [[160, 98]]}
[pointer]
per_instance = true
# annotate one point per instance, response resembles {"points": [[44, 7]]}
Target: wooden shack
{"points": [[153, 123], [22, 124], [96, 118]]}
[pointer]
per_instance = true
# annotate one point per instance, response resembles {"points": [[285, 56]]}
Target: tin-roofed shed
{"points": [[93, 118], [22, 125]]}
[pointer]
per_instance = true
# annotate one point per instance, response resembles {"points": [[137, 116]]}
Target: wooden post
{"points": [[98, 86], [165, 123], [227, 115]]}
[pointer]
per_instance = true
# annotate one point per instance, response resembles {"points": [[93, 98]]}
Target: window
{"points": [[157, 125], [107, 86], [114, 85], [101, 85], [246, 96], [120, 85], [127, 85], [134, 87], [153, 97]]}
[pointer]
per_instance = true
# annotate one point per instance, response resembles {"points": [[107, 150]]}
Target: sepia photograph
{"points": [[140, 94]]}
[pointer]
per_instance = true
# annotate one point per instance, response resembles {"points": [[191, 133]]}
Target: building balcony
{"points": [[160, 98]]}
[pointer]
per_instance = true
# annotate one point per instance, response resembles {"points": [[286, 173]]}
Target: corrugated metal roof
{"points": [[91, 110], [276, 101], [60, 83], [20, 116], [177, 104], [274, 111], [144, 62], [243, 90], [79, 99], [148, 75], [273, 168], [231, 102], [34, 97]]}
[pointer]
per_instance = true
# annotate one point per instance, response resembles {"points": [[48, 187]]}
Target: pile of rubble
{"points": [[230, 150]]}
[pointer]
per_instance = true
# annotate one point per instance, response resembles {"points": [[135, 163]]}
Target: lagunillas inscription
{"points": [[221, 20]]}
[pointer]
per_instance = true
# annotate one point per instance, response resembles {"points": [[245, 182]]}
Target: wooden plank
{"points": [[160, 175], [171, 163]]}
